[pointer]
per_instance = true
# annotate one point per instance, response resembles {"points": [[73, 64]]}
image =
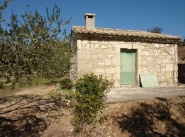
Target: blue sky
{"points": [[117, 14]]}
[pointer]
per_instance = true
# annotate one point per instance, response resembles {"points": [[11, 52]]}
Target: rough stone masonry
{"points": [[98, 51]]}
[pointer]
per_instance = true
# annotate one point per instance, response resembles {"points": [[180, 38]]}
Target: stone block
{"points": [[110, 70], [139, 68], [166, 61], [144, 62], [170, 82], [108, 61], [143, 58], [145, 53], [108, 76], [169, 75], [169, 67], [117, 69], [84, 42], [94, 56], [104, 46], [100, 55], [159, 61], [115, 61], [100, 70], [96, 46], [117, 49], [116, 84], [115, 76], [128, 46], [139, 60], [163, 84], [100, 63], [79, 42], [83, 54], [163, 69], [152, 54], [157, 45], [149, 59], [109, 56]]}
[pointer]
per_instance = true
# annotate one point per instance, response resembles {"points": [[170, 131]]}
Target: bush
{"points": [[90, 97], [1, 85], [66, 83]]}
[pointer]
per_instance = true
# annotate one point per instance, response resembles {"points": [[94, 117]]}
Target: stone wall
{"points": [[73, 60], [103, 57]]}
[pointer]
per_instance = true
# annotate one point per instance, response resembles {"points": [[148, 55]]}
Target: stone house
{"points": [[123, 55]]}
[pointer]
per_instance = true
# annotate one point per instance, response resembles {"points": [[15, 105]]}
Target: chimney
{"points": [[90, 21]]}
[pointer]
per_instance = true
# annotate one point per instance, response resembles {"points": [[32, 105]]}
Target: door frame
{"points": [[136, 66]]}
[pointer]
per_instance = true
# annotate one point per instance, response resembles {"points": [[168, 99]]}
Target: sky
{"points": [[116, 14]]}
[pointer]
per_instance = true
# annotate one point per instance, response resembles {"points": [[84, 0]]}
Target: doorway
{"points": [[128, 67]]}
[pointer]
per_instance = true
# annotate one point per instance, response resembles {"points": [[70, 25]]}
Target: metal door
{"points": [[128, 67]]}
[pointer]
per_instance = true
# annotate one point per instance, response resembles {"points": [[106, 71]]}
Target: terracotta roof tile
{"points": [[118, 32]]}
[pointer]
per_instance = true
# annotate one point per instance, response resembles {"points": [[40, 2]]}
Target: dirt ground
{"points": [[44, 114]]}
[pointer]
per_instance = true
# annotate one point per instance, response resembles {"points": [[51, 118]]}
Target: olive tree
{"points": [[2, 7], [34, 46]]}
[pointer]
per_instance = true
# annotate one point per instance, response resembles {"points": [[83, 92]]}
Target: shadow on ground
{"points": [[154, 120], [27, 115]]}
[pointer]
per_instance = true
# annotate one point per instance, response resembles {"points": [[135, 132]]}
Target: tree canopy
{"points": [[155, 30], [34, 46], [182, 43], [2, 7]]}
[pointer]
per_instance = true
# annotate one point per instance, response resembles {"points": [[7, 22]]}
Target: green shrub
{"points": [[90, 97], [66, 83], [1, 85]]}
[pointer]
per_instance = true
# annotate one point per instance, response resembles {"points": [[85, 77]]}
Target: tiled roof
{"points": [[125, 34]]}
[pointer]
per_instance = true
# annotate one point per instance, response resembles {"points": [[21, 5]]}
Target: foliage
{"points": [[33, 46], [155, 30], [66, 83], [182, 43], [90, 98], [2, 7], [1, 85], [53, 93], [69, 95]]}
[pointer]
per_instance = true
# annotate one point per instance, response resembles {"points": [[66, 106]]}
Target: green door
{"points": [[128, 67]]}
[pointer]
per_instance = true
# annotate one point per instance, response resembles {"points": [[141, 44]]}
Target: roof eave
{"points": [[127, 38]]}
